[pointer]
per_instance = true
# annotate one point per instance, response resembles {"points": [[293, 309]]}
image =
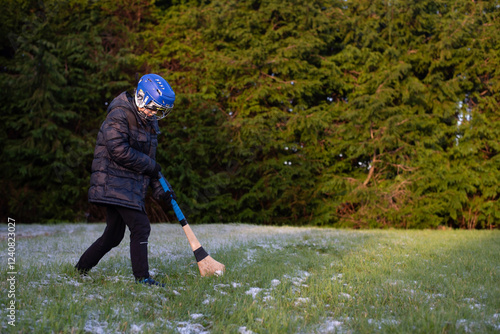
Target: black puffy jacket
{"points": [[123, 155]]}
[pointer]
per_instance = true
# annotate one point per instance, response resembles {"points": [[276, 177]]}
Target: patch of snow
{"points": [[250, 255], [218, 287], [268, 298], [301, 301], [380, 323], [185, 327], [465, 324], [275, 282], [196, 316], [300, 279], [331, 326], [394, 282], [244, 330], [72, 282], [254, 292], [93, 325], [345, 295], [494, 321], [476, 306], [411, 291], [92, 297], [337, 277], [209, 300], [135, 328]]}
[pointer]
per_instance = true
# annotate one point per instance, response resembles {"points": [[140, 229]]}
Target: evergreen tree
{"points": [[399, 128], [457, 190], [349, 113], [255, 68], [56, 82], [474, 159]]}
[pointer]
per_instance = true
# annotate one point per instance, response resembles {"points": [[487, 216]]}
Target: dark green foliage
{"points": [[400, 135], [58, 76], [348, 113], [254, 74]]}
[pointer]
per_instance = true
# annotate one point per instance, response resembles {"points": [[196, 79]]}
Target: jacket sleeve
{"points": [[116, 134]]}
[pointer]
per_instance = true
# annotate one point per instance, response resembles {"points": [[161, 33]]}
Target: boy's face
{"points": [[147, 111]]}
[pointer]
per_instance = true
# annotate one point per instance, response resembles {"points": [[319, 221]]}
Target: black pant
{"points": [[117, 218]]}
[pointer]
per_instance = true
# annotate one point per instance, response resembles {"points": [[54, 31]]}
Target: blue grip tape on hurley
{"points": [[164, 184], [177, 210], [175, 206]]}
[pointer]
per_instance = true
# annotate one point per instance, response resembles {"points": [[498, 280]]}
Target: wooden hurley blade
{"points": [[207, 265]]}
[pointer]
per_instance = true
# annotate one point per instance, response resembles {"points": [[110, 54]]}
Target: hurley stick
{"points": [[207, 265]]}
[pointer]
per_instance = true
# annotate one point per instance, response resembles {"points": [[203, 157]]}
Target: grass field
{"points": [[278, 280]]}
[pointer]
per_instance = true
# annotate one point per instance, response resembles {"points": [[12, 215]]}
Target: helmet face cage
{"points": [[161, 112], [152, 87]]}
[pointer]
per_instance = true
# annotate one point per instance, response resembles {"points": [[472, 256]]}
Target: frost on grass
{"points": [[54, 279], [300, 279], [466, 325], [186, 327], [253, 292], [93, 325], [345, 295], [495, 321], [42, 250], [220, 288], [337, 277], [331, 326], [36, 230], [383, 322], [302, 301], [137, 329], [473, 304], [250, 255], [244, 330], [208, 300], [195, 316], [297, 281], [39, 245], [469, 326]]}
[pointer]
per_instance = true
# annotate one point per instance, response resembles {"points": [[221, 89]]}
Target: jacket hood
{"points": [[124, 100]]}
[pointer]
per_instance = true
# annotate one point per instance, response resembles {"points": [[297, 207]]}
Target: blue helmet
{"points": [[154, 93]]}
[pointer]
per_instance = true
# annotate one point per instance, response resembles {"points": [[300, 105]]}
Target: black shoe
{"points": [[150, 281], [82, 271]]}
